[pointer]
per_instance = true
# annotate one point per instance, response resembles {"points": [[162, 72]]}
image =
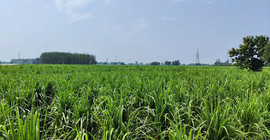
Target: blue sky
{"points": [[131, 30]]}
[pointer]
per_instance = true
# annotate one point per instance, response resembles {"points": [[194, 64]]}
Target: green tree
{"points": [[66, 58], [168, 62], [176, 63], [155, 63], [266, 54], [249, 55], [218, 62]]}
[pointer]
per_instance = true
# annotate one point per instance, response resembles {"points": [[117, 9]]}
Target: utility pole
{"points": [[198, 58]]}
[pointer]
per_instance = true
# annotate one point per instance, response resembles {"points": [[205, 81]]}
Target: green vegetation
{"points": [[133, 102], [266, 54], [155, 63], [175, 63], [252, 54], [66, 58], [219, 63]]}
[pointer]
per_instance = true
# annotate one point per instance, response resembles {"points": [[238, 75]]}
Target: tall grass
{"points": [[133, 102]]}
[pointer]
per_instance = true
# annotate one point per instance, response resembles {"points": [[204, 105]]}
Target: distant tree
{"points": [[266, 54], [250, 53], [122, 63], [168, 63], [155, 63], [176, 63], [218, 62], [66, 58], [91, 59]]}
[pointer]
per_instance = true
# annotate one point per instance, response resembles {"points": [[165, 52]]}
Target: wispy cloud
{"points": [[142, 23], [75, 16], [167, 18], [69, 7]]}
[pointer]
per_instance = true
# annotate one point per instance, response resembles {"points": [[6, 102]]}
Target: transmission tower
{"points": [[198, 58]]}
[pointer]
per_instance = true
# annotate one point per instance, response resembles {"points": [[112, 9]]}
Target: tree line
{"points": [[66, 58], [219, 63], [174, 63]]}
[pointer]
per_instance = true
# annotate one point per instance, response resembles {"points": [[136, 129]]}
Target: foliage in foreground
{"points": [[266, 54], [133, 102]]}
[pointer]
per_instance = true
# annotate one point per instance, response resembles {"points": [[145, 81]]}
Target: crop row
{"points": [[133, 102]]}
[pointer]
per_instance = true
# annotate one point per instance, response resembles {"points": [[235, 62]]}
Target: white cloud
{"points": [[167, 18], [74, 16], [69, 7], [142, 23], [72, 4]]}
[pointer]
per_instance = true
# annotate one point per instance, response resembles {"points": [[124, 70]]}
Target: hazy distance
{"points": [[131, 30]]}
